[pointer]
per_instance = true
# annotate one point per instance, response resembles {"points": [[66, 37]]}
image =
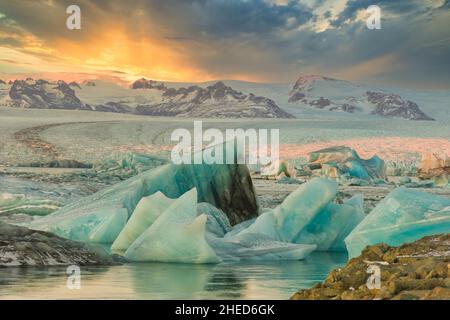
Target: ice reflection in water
{"points": [[276, 280]]}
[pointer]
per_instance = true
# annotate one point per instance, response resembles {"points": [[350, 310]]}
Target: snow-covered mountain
{"points": [[339, 95], [41, 94], [314, 97], [216, 100], [144, 97]]}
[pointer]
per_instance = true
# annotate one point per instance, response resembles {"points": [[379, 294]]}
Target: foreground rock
{"points": [[418, 270], [20, 246]]}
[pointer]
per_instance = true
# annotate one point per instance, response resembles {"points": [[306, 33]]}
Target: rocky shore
{"points": [[418, 270], [21, 246]]}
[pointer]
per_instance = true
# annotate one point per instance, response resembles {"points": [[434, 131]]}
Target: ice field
{"points": [[91, 136]]}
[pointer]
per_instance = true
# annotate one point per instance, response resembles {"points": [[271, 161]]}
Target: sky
{"points": [[253, 40]]}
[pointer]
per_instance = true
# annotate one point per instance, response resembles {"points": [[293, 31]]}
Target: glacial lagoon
{"points": [[270, 280]]}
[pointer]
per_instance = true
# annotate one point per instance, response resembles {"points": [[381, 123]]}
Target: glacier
{"points": [[404, 215]]}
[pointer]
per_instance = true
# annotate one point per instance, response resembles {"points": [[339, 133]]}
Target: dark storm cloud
{"points": [[392, 6], [261, 38]]}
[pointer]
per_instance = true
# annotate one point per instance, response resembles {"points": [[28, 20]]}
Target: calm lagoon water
{"points": [[276, 280]]}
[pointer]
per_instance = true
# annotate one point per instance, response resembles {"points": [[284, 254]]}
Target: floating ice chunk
{"points": [[265, 224], [301, 207], [331, 225], [257, 247], [403, 216], [178, 235], [217, 221], [239, 227], [354, 208], [146, 212], [336, 161], [277, 167]]}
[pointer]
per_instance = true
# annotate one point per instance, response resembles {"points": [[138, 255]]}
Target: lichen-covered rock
{"points": [[418, 270]]}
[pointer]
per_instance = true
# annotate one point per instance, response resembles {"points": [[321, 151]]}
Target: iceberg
{"points": [[301, 207], [341, 160], [403, 216], [308, 217], [332, 224], [177, 235], [146, 212], [226, 186], [436, 168], [217, 222]]}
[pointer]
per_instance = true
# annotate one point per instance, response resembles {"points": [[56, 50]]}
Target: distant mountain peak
{"points": [[43, 94], [340, 95], [148, 84], [215, 101]]}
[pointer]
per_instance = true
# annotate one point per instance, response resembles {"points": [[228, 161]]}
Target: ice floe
{"points": [[403, 216]]}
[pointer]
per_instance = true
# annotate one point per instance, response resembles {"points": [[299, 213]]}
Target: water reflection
{"points": [[275, 280]]}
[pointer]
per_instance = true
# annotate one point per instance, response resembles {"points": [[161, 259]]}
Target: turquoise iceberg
{"points": [[342, 161], [403, 216], [217, 222], [146, 212], [308, 217], [301, 207], [177, 235], [227, 187], [332, 224]]}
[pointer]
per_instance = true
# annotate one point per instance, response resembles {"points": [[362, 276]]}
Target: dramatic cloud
{"points": [[262, 40]]}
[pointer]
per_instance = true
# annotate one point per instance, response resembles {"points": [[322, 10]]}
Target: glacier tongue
{"points": [[403, 216], [178, 235]]}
